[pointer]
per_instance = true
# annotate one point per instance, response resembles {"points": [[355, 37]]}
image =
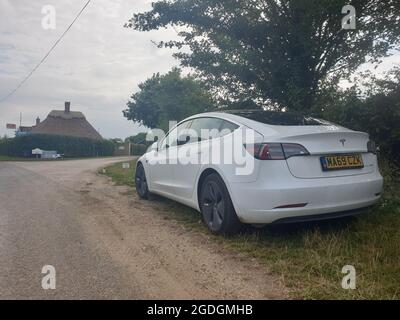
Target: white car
{"points": [[301, 169]]}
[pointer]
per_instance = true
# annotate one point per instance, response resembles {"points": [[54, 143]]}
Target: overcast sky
{"points": [[97, 66]]}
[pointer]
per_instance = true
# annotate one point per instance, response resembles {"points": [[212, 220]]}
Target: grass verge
{"points": [[309, 257]]}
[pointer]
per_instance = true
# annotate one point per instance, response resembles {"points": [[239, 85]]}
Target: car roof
{"points": [[222, 115], [229, 116]]}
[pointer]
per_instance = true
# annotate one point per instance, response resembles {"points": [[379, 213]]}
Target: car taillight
{"points": [[371, 146], [294, 149], [275, 151]]}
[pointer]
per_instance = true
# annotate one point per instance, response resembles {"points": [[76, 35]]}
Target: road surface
{"points": [[105, 243]]}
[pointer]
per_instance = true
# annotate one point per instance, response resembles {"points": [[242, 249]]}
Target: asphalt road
{"points": [[39, 225], [105, 243]]}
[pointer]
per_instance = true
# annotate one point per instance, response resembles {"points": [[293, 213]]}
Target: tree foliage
{"points": [[258, 52], [140, 138], [138, 149], [169, 97]]}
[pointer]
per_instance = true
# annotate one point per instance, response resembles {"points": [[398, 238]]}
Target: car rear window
{"points": [[280, 118]]}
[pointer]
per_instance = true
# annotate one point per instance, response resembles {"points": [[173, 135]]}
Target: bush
{"points": [[140, 138], [138, 149], [374, 109], [378, 115], [68, 146]]}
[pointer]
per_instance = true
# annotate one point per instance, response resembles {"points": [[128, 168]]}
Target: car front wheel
{"points": [[216, 207], [141, 182]]}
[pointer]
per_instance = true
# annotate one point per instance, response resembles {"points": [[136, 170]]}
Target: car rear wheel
{"points": [[141, 182], [216, 207]]}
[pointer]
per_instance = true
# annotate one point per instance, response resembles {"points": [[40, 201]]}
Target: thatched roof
{"points": [[66, 123], [66, 115]]}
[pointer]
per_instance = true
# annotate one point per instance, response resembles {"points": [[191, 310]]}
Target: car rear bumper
{"points": [[321, 217], [257, 202]]}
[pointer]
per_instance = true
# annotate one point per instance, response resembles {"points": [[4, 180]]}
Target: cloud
{"points": [[97, 66]]}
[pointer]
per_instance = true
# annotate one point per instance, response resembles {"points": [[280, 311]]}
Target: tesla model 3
{"points": [[288, 168]]}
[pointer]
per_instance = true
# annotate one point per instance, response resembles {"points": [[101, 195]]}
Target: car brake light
{"points": [[275, 151], [266, 151], [294, 149]]}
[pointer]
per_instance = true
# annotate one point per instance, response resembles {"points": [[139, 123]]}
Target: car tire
{"points": [[141, 185], [218, 213]]}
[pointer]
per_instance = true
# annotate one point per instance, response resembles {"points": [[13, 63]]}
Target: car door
{"points": [[195, 150], [161, 164]]}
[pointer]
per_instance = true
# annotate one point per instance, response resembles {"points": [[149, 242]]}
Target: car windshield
{"points": [[280, 118]]}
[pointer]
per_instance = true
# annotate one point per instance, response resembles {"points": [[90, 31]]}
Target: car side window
{"points": [[227, 127], [171, 139], [181, 134], [165, 142], [206, 128]]}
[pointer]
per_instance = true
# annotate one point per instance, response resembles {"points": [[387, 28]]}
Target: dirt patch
{"points": [[153, 256], [168, 260]]}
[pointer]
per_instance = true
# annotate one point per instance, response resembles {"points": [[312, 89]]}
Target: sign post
{"points": [[11, 126]]}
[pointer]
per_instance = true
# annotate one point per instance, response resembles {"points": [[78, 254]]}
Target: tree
{"points": [[169, 97], [258, 52], [140, 138], [116, 141]]}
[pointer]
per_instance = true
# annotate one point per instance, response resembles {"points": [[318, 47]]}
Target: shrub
{"points": [[138, 149], [378, 115]]}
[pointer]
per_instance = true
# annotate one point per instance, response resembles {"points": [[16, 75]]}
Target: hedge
{"points": [[138, 149], [66, 145]]}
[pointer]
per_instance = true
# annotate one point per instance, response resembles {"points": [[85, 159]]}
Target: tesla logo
{"points": [[342, 141]]}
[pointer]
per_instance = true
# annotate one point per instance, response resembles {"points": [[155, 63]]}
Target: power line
{"points": [[46, 55]]}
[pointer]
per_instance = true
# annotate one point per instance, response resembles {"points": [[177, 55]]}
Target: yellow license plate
{"points": [[340, 162]]}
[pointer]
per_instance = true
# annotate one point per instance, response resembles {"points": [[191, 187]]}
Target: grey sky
{"points": [[97, 65]]}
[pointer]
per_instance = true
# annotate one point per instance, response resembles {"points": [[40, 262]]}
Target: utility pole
{"points": [[20, 123]]}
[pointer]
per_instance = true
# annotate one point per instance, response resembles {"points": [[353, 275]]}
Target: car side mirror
{"points": [[183, 140]]}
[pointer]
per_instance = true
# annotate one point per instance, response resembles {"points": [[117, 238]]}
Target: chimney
{"points": [[37, 120], [67, 106]]}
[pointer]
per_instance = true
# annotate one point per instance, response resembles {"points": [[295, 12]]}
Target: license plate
{"points": [[340, 162]]}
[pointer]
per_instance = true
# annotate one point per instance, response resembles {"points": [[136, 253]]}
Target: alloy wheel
{"points": [[213, 205], [141, 182]]}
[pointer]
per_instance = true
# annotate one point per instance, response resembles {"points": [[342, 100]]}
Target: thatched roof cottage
{"points": [[66, 123]]}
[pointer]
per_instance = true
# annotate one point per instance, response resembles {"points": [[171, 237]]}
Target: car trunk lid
{"points": [[321, 141]]}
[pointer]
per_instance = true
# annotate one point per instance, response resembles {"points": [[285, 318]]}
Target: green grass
{"points": [[119, 175], [309, 257]]}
